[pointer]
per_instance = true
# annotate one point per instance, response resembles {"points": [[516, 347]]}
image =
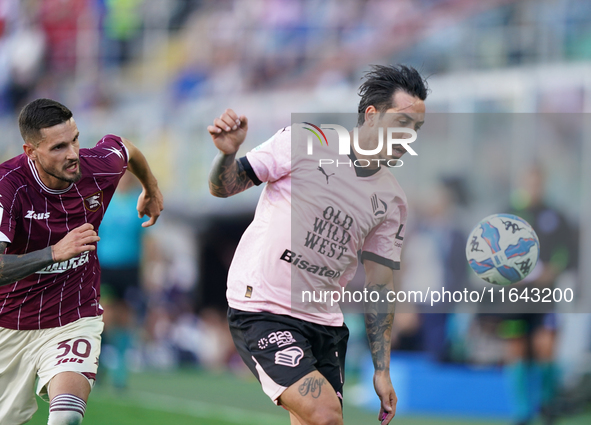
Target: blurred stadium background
{"points": [[159, 71]]}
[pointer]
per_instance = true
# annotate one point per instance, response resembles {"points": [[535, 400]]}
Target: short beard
{"points": [[74, 179]]}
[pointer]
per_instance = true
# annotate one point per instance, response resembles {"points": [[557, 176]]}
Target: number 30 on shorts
{"points": [[79, 347]]}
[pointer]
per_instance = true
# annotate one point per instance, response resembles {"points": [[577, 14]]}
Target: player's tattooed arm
{"points": [[228, 176], [378, 324], [16, 267], [379, 317]]}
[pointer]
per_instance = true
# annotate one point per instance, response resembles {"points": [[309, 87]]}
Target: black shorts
{"points": [[280, 350], [119, 282]]}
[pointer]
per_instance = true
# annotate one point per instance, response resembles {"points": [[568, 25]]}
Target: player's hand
{"points": [[150, 203], [76, 242], [387, 395], [228, 132]]}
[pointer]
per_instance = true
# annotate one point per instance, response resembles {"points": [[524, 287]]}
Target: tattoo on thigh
{"points": [[312, 386]]}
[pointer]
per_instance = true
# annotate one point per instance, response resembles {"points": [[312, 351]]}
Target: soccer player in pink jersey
{"points": [[310, 224], [52, 200]]}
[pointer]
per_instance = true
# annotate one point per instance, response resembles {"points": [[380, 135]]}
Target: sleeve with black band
{"points": [[249, 171], [394, 265]]}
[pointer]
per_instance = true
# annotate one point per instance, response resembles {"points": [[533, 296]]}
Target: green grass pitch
{"points": [[190, 397]]}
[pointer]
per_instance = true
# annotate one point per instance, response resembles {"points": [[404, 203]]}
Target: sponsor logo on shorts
{"points": [[289, 357], [80, 348], [69, 360], [280, 338]]}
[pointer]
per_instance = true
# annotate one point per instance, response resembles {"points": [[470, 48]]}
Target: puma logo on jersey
{"points": [[37, 216], [325, 175]]}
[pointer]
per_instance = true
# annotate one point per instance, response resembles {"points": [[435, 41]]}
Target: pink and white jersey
{"points": [[33, 217], [311, 224]]}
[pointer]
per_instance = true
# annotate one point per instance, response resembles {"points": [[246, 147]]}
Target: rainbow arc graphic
{"points": [[315, 133]]}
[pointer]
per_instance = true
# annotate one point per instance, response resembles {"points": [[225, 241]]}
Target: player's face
{"points": [[56, 157], [408, 112]]}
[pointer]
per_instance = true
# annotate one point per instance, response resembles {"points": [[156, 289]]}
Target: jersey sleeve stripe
{"points": [[12, 207], [126, 152], [249, 171], [366, 255]]}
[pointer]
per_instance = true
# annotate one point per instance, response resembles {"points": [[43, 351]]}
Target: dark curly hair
{"points": [[383, 81]]}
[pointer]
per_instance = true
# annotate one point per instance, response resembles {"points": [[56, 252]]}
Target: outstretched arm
{"points": [[227, 176], [150, 201], [16, 267], [379, 317]]}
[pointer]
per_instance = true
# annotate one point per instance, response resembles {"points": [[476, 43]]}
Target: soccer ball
{"points": [[503, 249]]}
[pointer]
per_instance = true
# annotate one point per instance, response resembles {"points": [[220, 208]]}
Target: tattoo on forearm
{"points": [[16, 267], [312, 386], [378, 323], [228, 177]]}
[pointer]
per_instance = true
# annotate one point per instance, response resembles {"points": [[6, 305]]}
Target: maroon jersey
{"points": [[33, 217]]}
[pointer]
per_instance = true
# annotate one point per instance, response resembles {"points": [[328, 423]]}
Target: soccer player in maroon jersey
{"points": [[52, 200]]}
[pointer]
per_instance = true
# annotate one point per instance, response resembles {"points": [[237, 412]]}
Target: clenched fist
{"points": [[76, 242], [228, 132]]}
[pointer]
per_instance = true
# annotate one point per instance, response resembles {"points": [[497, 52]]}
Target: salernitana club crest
{"points": [[94, 201]]}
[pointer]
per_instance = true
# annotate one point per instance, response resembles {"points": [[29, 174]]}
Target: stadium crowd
{"points": [[47, 46]]}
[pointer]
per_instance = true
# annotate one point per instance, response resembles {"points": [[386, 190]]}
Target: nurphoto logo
{"points": [[345, 144]]}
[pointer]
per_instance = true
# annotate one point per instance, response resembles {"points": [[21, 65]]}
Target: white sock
{"points": [[66, 409]]}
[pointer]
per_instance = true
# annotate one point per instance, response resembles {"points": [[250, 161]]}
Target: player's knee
{"points": [[327, 415], [67, 417]]}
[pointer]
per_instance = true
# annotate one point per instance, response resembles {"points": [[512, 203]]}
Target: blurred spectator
{"points": [[437, 241], [60, 21], [22, 49], [170, 274], [531, 369], [122, 24], [120, 253], [26, 47], [203, 339]]}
